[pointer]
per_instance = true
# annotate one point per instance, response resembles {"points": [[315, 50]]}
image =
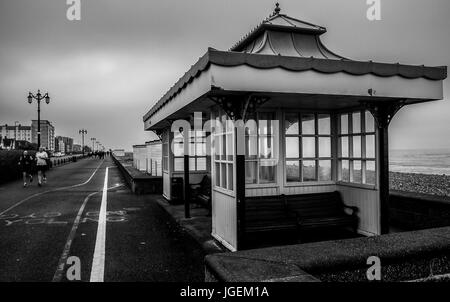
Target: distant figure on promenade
{"points": [[41, 164], [25, 165]]}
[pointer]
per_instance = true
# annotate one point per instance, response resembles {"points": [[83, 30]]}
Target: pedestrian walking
{"points": [[25, 165], [41, 164]]}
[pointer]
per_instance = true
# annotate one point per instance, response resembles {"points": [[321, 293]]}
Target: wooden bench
{"points": [[268, 214], [201, 192], [320, 211]]}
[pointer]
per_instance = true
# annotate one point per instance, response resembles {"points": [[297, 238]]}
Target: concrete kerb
{"points": [[197, 227]]}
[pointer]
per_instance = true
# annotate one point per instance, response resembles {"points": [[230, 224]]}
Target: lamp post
{"points": [[39, 97], [82, 132], [93, 142], [15, 133]]}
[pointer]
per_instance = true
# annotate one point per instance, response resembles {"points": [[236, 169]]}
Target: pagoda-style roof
{"points": [[286, 36], [284, 43]]}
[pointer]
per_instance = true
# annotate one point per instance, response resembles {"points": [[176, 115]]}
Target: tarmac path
{"points": [[85, 214]]}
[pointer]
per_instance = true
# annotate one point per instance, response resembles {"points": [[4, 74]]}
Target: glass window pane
{"points": [[217, 149], [357, 146], [201, 149], [345, 171], [201, 164], [357, 172], [308, 124], [265, 147], [267, 171], [250, 172], [217, 172], [291, 123], [344, 124], [325, 170], [192, 149], [309, 170], [292, 149], [309, 147], [292, 171], [265, 125], [223, 176], [370, 146], [370, 122], [324, 146], [370, 172], [230, 177], [178, 164], [178, 148], [324, 121], [344, 146], [356, 120], [192, 164], [223, 144], [230, 147], [251, 147]]}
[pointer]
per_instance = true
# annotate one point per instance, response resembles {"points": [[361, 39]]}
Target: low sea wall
{"points": [[415, 211], [139, 182], [403, 256]]}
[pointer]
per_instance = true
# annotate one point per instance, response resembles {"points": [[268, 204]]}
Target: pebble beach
{"points": [[420, 183]]}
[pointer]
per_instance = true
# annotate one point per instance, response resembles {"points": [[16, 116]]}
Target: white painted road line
{"points": [[49, 191], [65, 254], [98, 261]]}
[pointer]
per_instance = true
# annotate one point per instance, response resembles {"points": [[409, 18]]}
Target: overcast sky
{"points": [[105, 71]]}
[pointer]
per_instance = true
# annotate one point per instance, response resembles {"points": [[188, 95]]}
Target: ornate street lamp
{"points": [[38, 97]]}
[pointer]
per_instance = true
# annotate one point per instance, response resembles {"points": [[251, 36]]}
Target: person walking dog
{"points": [[26, 165], [41, 164]]}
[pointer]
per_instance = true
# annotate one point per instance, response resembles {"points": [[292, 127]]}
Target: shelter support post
{"points": [[238, 109], [383, 112]]}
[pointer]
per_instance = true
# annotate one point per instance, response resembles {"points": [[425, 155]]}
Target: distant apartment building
{"points": [[47, 134], [18, 132], [63, 144]]}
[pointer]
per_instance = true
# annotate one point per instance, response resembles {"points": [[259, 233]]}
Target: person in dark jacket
{"points": [[25, 165]]}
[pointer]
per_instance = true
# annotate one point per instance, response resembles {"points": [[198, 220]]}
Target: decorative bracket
{"points": [[235, 108], [382, 112], [159, 133]]}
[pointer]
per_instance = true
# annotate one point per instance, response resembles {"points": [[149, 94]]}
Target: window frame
{"points": [[301, 159], [258, 158], [351, 159], [195, 157], [227, 131]]}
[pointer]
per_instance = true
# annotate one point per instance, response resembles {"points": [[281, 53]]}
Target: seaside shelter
{"points": [[322, 124]]}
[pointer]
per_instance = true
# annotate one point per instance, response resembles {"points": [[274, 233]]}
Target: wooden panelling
{"points": [[367, 201], [224, 219]]}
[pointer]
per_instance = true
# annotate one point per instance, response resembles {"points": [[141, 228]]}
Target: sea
{"points": [[425, 161]]}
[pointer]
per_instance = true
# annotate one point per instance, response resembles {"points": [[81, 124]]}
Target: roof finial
{"points": [[277, 9]]}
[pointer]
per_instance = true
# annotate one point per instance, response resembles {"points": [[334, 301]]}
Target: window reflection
{"points": [[309, 147], [356, 120], [324, 146], [370, 146], [291, 123], [357, 146], [292, 147], [325, 170], [292, 171], [308, 124], [324, 121], [344, 124], [309, 170], [370, 122]]}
